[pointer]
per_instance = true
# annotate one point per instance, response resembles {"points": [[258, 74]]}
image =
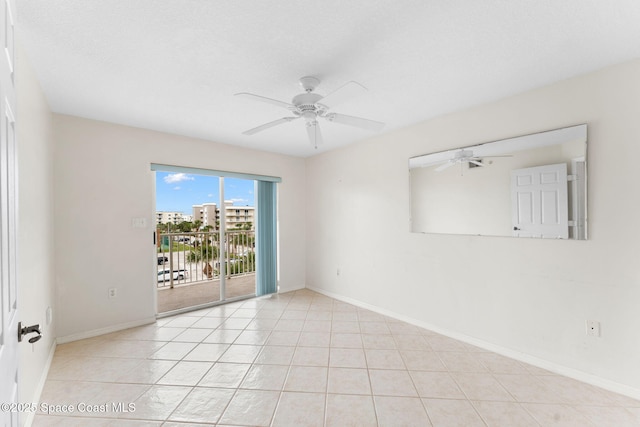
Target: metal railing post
{"points": [[170, 263]]}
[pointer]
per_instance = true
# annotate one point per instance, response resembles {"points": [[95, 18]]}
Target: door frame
{"points": [[156, 167]]}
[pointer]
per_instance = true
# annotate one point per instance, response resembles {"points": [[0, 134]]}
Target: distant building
{"points": [[170, 217], [235, 216], [207, 214], [239, 216]]}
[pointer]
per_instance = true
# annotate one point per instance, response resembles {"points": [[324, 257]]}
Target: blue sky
{"points": [[177, 192]]}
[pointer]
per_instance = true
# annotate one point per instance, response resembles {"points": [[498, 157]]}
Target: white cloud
{"points": [[176, 188], [209, 195], [239, 201], [177, 177]]}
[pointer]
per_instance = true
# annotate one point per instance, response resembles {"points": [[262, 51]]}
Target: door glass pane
{"points": [[239, 206], [187, 240]]}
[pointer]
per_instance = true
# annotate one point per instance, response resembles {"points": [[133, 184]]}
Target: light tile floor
{"points": [[303, 359]]}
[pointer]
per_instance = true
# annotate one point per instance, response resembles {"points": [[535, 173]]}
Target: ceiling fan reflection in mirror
{"points": [[310, 106], [464, 156]]}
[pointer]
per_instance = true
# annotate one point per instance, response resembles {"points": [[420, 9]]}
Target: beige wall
{"points": [[36, 272], [103, 171], [528, 297]]}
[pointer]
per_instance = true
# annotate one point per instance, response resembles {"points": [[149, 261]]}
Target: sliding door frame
{"points": [[271, 270]]}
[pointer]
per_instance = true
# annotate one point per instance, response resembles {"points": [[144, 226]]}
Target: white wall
{"points": [[35, 238], [523, 295], [103, 180]]}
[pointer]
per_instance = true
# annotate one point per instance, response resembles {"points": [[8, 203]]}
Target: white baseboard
{"points": [[107, 330], [40, 386], [523, 357], [282, 290]]}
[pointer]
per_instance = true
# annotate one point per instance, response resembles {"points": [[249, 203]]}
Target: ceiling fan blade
{"points": [[348, 90], [315, 136], [445, 166], [260, 98], [269, 125], [355, 121]]}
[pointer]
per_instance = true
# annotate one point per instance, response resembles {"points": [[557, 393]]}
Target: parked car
{"points": [[165, 275], [162, 260]]}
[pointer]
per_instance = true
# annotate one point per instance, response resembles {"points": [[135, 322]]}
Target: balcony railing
{"points": [[186, 258]]}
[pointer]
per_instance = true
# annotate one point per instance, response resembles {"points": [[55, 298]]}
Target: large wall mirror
{"points": [[528, 186]]}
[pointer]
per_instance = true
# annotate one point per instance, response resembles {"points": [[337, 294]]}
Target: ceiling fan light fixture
{"points": [[310, 116]]}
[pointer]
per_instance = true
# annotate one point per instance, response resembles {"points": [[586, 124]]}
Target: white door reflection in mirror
{"points": [[539, 201]]}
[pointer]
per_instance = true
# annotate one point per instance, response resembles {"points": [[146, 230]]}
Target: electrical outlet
{"points": [[113, 292], [593, 328], [49, 315]]}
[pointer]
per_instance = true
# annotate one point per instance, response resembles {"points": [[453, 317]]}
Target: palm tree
{"points": [[204, 253]]}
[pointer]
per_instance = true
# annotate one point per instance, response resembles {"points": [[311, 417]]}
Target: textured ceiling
{"points": [[174, 66]]}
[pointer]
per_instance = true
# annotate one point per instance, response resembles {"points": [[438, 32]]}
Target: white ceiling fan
{"points": [[310, 105], [464, 156], [460, 157]]}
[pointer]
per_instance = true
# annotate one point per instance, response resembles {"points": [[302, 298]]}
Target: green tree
{"points": [[185, 226]]}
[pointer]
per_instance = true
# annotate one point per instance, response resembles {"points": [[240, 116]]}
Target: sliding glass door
{"points": [[215, 237]]}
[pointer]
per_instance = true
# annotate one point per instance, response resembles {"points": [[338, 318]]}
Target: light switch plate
{"points": [[139, 222]]}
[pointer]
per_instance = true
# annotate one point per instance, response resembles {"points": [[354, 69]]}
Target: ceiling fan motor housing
{"points": [[306, 106], [463, 154]]}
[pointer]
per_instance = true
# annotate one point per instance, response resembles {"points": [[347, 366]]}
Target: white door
{"points": [[539, 202], [8, 221]]}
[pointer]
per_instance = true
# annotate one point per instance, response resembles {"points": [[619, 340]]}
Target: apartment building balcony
{"points": [[191, 267]]}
